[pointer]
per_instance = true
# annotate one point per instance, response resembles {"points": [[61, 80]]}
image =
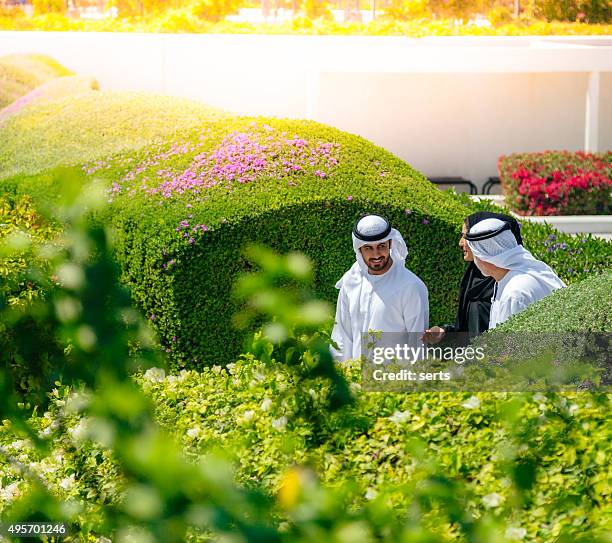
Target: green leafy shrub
{"points": [[19, 74], [589, 11], [92, 127], [557, 183], [582, 307], [59, 87], [395, 467], [194, 186], [21, 226]]}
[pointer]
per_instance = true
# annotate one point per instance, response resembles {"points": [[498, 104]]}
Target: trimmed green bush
{"points": [[93, 126], [19, 74], [192, 187], [51, 90], [585, 306]]}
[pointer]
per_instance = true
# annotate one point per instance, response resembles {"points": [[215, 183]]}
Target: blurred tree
{"points": [[49, 6], [585, 11], [214, 10], [403, 10]]}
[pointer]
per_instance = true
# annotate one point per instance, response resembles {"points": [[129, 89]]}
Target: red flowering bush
{"points": [[557, 183]]}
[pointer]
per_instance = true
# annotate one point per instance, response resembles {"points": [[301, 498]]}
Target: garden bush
{"points": [[19, 74], [582, 307], [59, 87], [557, 183], [394, 467], [186, 199], [536, 460]]}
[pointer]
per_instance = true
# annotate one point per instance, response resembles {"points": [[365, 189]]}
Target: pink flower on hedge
{"points": [[240, 158]]}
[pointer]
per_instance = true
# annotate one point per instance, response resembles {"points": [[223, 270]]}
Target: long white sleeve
{"points": [[341, 333], [416, 309]]}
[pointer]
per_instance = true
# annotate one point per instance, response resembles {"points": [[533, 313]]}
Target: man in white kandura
{"points": [[520, 279], [378, 292]]}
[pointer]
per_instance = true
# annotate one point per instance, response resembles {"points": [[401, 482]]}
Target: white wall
{"points": [[448, 106]]}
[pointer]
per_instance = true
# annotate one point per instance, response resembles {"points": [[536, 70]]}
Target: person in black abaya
{"points": [[476, 290]]}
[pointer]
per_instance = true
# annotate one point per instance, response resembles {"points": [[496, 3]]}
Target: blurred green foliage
{"points": [[395, 468]]}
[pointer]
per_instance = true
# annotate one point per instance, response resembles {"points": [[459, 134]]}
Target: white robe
{"points": [[396, 301], [515, 292]]}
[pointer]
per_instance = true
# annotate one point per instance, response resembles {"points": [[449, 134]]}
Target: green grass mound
{"points": [[191, 186], [73, 130], [60, 87], [582, 307], [19, 74]]}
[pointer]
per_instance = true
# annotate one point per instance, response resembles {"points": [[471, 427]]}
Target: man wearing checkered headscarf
{"points": [[378, 292]]}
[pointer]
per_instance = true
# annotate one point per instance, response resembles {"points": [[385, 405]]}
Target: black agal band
{"points": [[489, 234], [373, 237]]}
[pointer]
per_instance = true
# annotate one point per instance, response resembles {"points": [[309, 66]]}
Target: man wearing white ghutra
{"points": [[378, 292]]}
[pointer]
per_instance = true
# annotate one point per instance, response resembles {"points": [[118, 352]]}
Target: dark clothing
{"points": [[475, 295], [476, 290]]}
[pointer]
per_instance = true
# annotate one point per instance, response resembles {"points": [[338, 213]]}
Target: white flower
{"points": [[155, 375], [10, 492], [370, 494], [471, 403], [516, 533], [67, 483], [400, 416], [492, 500], [280, 423], [18, 445], [216, 369], [247, 416], [539, 397], [79, 432], [266, 404], [193, 432], [231, 367], [573, 409]]}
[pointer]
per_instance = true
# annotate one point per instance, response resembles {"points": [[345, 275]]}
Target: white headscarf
{"points": [[371, 225], [503, 251]]}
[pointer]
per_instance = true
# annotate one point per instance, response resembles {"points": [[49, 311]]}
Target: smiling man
{"points": [[378, 292]]}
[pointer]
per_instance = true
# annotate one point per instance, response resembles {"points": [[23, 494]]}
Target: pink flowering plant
{"points": [[240, 158], [557, 183]]}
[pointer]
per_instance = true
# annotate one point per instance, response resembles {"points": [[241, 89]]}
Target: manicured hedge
{"points": [[71, 130], [59, 87], [557, 183], [585, 306], [554, 447], [19, 74], [193, 186]]}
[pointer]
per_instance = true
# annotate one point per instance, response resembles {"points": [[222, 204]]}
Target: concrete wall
{"points": [[456, 119]]}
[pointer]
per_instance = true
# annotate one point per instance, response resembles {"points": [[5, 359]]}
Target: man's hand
{"points": [[433, 335]]}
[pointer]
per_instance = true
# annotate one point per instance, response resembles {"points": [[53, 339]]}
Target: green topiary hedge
{"points": [[193, 186], [19, 74], [585, 306]]}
